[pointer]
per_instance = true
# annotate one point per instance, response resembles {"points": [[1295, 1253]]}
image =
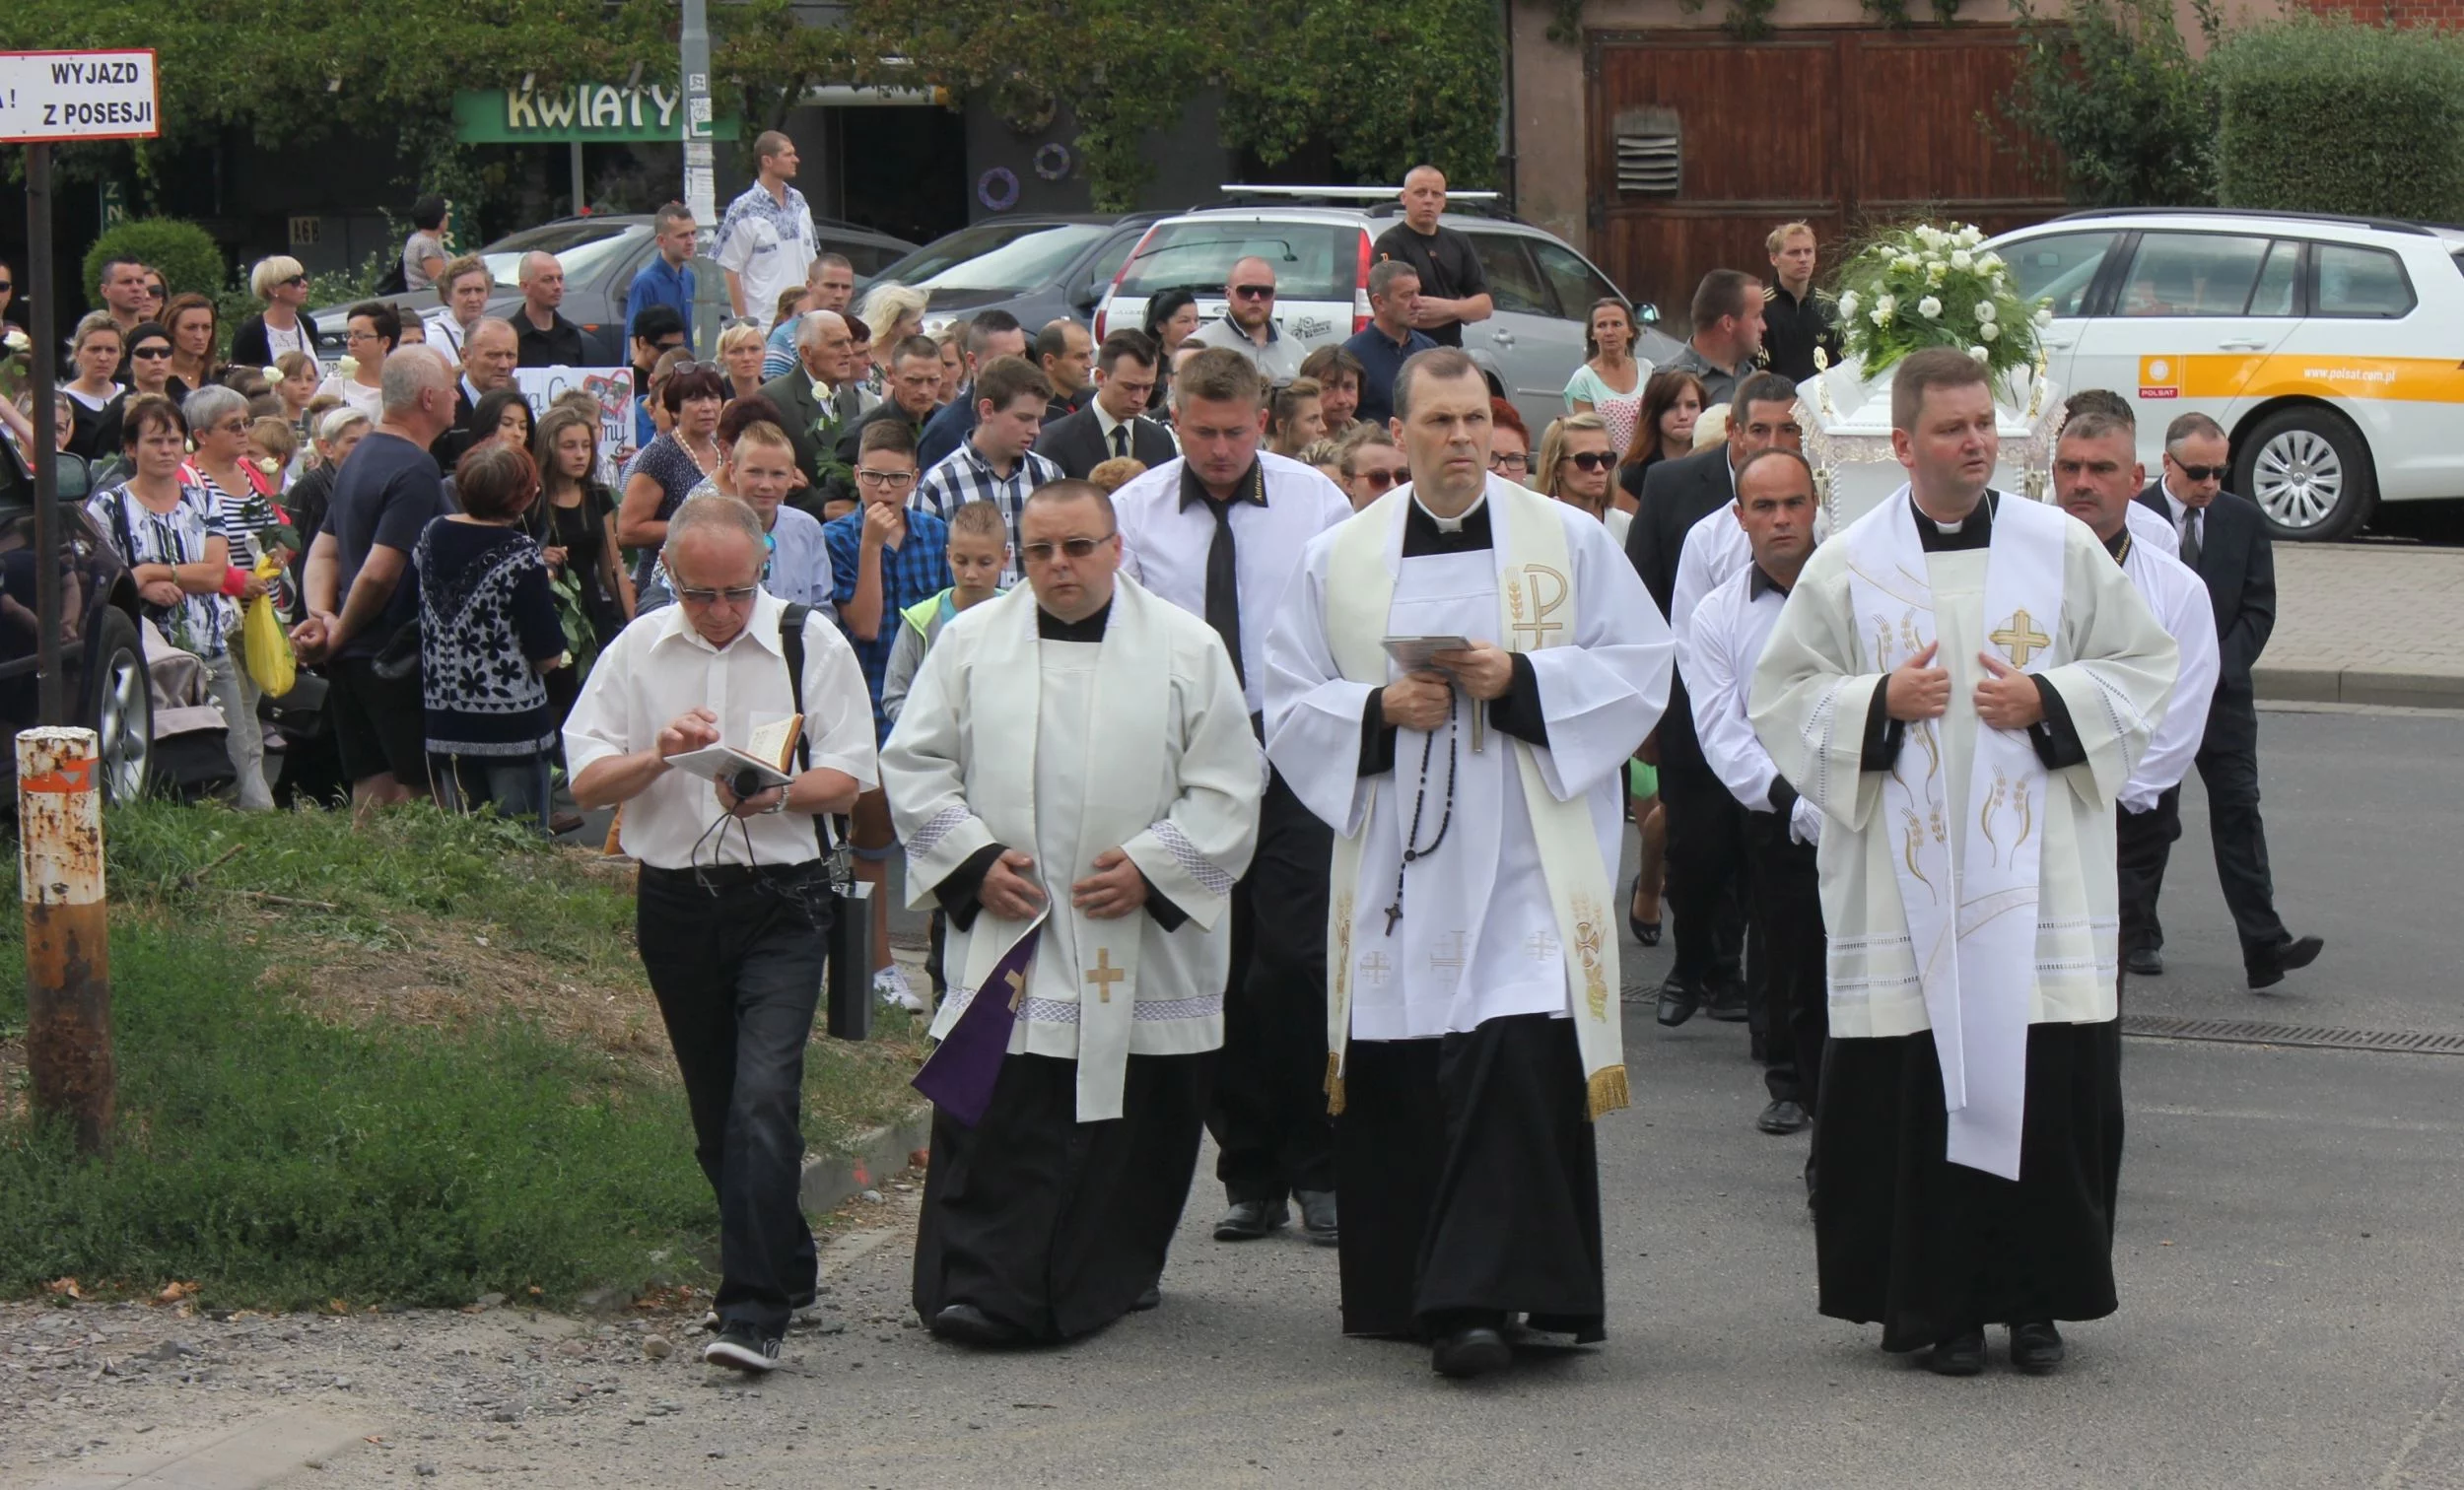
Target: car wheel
{"points": [[2309, 471], [120, 708]]}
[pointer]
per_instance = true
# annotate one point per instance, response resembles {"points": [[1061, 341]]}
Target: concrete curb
{"points": [[832, 1180], [243, 1455], [2358, 685]]}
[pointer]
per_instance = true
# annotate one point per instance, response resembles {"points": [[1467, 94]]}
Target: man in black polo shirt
{"points": [[1453, 287], [546, 338]]}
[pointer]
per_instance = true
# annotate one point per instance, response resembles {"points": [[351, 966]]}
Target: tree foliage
{"points": [[2329, 115], [2113, 86], [186, 253], [1389, 85]]}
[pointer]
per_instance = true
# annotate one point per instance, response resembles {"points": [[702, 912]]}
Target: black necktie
{"points": [[1223, 588], [1121, 441], [2190, 537]]}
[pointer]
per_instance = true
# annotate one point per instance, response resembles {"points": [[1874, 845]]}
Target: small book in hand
{"points": [[766, 753]]}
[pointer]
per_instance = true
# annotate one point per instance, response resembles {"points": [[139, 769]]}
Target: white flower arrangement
{"points": [[1962, 296]]}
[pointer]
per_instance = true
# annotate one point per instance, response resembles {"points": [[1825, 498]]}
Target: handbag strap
{"points": [[791, 642]]}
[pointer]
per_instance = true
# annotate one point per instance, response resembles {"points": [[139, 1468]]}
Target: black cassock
{"points": [[1929, 1248], [1050, 1224], [1469, 1181]]}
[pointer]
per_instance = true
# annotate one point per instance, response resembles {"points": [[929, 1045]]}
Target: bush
{"points": [[2112, 84], [2327, 116], [186, 253]]}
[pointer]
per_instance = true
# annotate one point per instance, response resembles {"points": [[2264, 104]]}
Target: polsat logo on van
{"points": [[2160, 377]]}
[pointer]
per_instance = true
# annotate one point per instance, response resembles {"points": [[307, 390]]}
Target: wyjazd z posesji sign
{"points": [[78, 96], [586, 112]]}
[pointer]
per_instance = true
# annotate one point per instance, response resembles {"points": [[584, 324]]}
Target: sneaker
{"points": [[891, 986], [740, 1349]]}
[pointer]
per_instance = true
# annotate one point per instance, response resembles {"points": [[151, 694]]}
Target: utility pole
{"points": [[700, 184]]}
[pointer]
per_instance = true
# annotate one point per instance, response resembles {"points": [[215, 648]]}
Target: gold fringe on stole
{"points": [[1608, 1091], [1334, 1084]]}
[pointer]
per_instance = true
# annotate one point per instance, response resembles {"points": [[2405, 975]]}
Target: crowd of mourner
{"points": [[1112, 641]]}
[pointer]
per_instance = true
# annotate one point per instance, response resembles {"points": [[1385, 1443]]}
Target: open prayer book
{"points": [[1413, 653], [767, 752]]}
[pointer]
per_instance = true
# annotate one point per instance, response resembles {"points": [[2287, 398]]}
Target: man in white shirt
{"points": [[1218, 533], [734, 896], [1775, 515], [766, 241]]}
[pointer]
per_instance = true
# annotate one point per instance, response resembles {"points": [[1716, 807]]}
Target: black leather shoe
{"points": [[1677, 1002], [1249, 1219], [1153, 1298], [1727, 1003], [1316, 1216], [1473, 1352], [970, 1326], [2269, 968], [2036, 1349], [2146, 962], [1783, 1116], [1962, 1355]]}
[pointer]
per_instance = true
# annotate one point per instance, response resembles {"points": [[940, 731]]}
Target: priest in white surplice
{"points": [[1079, 748], [1472, 999], [1962, 681]]}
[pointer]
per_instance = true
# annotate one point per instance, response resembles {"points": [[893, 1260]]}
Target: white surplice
{"points": [[2179, 598], [1067, 750], [2111, 666], [1480, 936]]}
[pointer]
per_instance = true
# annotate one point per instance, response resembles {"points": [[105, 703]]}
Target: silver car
{"points": [[1542, 288]]}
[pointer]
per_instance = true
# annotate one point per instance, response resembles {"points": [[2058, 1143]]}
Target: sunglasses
{"points": [[1379, 481], [6, 286], [1592, 460], [1075, 548], [296, 280], [150, 353], [2198, 473], [1254, 292]]}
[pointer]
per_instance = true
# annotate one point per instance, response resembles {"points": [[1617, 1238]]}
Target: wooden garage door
{"points": [[1841, 127]]}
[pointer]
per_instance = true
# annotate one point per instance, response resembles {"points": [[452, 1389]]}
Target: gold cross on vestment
{"points": [[2020, 639], [1017, 982], [1104, 975]]}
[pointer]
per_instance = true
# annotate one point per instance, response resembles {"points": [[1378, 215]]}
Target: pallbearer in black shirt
{"points": [[1453, 287]]}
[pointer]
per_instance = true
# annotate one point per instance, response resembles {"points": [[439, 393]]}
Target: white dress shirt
{"points": [[1718, 652], [2178, 595], [1165, 542], [660, 667], [2147, 527], [1715, 550]]}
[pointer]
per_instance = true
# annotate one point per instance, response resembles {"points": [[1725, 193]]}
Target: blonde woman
{"points": [[895, 312], [1576, 462], [284, 325], [740, 358]]}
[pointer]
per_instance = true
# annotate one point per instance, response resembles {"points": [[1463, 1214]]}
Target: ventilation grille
{"points": [[1650, 153]]}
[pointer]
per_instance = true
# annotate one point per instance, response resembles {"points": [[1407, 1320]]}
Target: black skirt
{"points": [[1469, 1181], [1050, 1224], [1929, 1248]]}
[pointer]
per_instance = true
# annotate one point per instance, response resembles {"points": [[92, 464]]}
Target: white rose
{"points": [[1991, 263], [1929, 235], [1989, 332], [272, 374], [1929, 307], [347, 368], [1936, 272], [1962, 260], [2044, 316], [268, 464], [1848, 305], [1985, 313], [18, 341], [1907, 264], [1884, 309], [1971, 236], [1979, 353]]}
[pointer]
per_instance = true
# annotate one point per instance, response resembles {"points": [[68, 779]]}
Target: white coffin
{"points": [[1847, 423]]}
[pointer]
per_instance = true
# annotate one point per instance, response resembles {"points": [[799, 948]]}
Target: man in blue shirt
{"points": [[1389, 341], [667, 279]]}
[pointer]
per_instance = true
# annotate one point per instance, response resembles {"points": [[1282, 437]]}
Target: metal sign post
{"points": [[700, 188], [46, 98]]}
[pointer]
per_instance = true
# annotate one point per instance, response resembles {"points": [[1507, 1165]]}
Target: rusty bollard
{"points": [[68, 958]]}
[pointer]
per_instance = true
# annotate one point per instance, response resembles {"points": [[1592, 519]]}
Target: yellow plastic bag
{"points": [[265, 647]]}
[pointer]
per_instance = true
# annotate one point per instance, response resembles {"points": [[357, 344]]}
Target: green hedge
{"points": [[186, 253], [2327, 116]]}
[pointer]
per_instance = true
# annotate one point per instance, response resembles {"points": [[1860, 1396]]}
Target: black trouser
{"points": [[735, 957], [2143, 842], [1792, 949], [1706, 858], [2229, 765], [1269, 1109]]}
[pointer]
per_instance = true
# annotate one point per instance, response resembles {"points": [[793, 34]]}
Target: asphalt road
{"points": [[2289, 1253]]}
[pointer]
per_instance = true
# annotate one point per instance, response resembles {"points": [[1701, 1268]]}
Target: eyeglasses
{"points": [[233, 427], [738, 595], [1075, 548], [2198, 473], [1378, 480], [150, 354], [886, 478], [1254, 292], [1592, 460], [1499, 461]]}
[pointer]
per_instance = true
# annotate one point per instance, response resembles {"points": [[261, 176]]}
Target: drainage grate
{"points": [[2254, 1031]]}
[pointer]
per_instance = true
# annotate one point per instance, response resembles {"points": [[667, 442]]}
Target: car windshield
{"points": [[999, 256], [1311, 261], [583, 248]]}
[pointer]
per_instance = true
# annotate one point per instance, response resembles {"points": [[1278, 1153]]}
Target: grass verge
{"points": [[405, 1067]]}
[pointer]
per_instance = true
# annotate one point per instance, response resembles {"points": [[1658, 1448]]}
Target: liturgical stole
{"points": [[1534, 579], [1971, 918]]}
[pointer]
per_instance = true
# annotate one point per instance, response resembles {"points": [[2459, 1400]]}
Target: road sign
{"points": [[78, 96]]}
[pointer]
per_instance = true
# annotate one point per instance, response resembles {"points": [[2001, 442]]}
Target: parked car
{"points": [[102, 663], [1542, 288], [1038, 269], [600, 256], [2325, 345]]}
